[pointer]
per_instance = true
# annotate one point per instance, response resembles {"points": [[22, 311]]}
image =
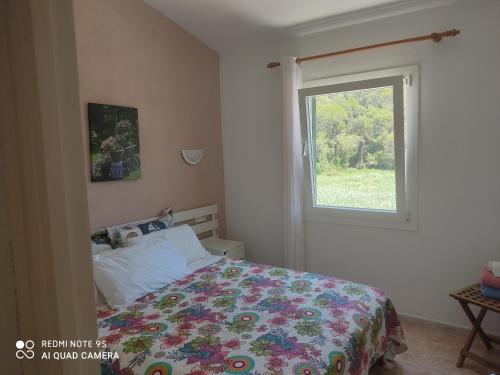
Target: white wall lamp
{"points": [[192, 157]]}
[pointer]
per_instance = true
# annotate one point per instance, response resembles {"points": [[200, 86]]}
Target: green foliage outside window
{"points": [[355, 130], [354, 149]]}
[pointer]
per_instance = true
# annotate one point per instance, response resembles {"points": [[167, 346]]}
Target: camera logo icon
{"points": [[25, 349]]}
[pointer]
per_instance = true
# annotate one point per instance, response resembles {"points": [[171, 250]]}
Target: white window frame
{"points": [[405, 216]]}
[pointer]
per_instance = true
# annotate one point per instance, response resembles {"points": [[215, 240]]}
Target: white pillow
{"points": [[99, 298], [99, 248], [147, 237], [126, 274], [182, 237]]}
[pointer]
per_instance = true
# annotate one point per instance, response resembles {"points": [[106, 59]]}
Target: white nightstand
{"points": [[229, 248]]}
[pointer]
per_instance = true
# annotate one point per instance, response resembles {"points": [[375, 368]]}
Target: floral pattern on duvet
{"points": [[236, 317]]}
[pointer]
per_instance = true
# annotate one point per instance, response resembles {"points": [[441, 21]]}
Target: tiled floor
{"points": [[433, 350]]}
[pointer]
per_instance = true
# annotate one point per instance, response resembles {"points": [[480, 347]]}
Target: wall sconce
{"points": [[192, 157]]}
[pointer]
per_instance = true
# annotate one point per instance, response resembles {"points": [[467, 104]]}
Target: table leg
{"points": [[476, 328], [486, 340]]}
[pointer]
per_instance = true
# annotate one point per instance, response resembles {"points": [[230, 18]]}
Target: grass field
{"points": [[357, 188]]}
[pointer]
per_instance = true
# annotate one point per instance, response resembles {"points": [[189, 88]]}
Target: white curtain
{"points": [[291, 80]]}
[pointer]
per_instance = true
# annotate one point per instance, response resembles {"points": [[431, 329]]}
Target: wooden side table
{"points": [[472, 295]]}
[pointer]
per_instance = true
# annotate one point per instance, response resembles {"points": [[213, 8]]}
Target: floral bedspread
{"points": [[236, 317]]}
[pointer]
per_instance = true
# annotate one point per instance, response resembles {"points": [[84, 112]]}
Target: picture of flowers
{"points": [[114, 143]]}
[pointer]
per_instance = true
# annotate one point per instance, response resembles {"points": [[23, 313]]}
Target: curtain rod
{"points": [[436, 37]]}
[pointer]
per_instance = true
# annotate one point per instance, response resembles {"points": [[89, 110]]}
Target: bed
{"points": [[237, 317]]}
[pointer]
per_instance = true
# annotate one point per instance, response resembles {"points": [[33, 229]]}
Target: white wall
{"points": [[459, 156]]}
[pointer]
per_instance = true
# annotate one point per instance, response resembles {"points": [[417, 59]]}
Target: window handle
{"points": [[304, 148]]}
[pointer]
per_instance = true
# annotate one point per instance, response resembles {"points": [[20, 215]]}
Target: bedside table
{"points": [[229, 248]]}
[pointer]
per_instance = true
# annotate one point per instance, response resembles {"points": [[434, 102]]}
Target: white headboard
{"points": [[202, 220]]}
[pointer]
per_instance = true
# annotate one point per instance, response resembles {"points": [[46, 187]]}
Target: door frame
{"points": [[43, 180]]}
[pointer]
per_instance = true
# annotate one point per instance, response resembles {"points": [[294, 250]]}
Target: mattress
{"points": [[237, 317]]}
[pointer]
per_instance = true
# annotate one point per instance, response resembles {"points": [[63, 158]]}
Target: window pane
{"points": [[353, 148]]}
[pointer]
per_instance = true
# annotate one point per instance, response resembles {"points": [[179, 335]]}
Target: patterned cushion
{"points": [[100, 238], [165, 221], [118, 235]]}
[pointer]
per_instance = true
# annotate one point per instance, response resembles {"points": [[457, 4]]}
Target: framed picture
{"points": [[114, 143]]}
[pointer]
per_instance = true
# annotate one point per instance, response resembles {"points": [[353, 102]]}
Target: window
{"points": [[360, 133]]}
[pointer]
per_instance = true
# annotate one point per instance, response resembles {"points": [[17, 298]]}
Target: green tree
{"points": [[355, 129]]}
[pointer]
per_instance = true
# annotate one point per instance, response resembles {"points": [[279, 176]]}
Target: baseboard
{"points": [[446, 324]]}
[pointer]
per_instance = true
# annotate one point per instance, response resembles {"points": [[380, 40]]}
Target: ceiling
{"points": [[224, 24]]}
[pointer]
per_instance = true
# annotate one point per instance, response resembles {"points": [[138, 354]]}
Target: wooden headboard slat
{"points": [[182, 216]]}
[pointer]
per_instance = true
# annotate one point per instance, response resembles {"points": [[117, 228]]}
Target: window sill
{"points": [[410, 225]]}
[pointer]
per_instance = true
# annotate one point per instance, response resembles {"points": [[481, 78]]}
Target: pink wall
{"points": [[129, 54]]}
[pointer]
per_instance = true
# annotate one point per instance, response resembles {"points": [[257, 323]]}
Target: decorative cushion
{"points": [[165, 221], [100, 238], [119, 235]]}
